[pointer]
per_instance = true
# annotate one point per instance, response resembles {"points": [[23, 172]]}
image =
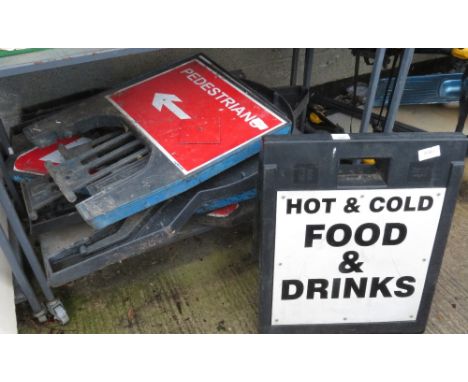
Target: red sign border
{"points": [[222, 75]]}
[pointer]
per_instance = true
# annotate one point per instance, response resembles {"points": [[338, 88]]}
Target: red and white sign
{"points": [[33, 161], [224, 212], [194, 115]]}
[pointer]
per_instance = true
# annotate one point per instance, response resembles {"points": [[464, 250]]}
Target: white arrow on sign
{"points": [[160, 100]]}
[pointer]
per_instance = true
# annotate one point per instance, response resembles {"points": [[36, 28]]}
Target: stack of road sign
{"points": [[350, 244], [133, 167], [124, 151]]}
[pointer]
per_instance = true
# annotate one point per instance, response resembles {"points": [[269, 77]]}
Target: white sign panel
{"points": [[352, 256]]}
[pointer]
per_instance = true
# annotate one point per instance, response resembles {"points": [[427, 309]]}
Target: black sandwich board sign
{"points": [[353, 229]]}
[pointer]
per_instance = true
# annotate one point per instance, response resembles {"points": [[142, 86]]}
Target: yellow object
{"points": [[369, 161], [314, 118], [461, 53]]}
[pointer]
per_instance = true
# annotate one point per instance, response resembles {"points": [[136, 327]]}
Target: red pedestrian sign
{"points": [[33, 161], [195, 114]]}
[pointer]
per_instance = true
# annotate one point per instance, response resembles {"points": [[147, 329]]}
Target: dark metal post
{"points": [[399, 88], [372, 89], [294, 66], [54, 305], [5, 151], [11, 187], [20, 234], [463, 106], [36, 306], [5, 141], [308, 60], [19, 295]]}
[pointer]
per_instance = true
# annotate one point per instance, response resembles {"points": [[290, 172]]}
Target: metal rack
{"points": [[13, 205], [16, 241]]}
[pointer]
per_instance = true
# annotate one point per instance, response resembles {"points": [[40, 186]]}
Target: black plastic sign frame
{"points": [[340, 163]]}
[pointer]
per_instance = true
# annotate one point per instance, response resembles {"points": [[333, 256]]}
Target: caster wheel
{"points": [[58, 311]]}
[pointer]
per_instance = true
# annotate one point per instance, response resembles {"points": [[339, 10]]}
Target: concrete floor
{"points": [[449, 312], [209, 284], [206, 284]]}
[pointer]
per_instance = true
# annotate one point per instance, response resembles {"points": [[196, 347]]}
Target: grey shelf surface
{"points": [[55, 58]]}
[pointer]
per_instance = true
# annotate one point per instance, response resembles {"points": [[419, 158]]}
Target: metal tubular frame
{"points": [[307, 76], [37, 307], [308, 61], [372, 89], [5, 141], [54, 305], [294, 67], [18, 238], [18, 229], [399, 88]]}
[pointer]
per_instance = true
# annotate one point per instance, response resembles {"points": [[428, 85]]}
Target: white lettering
{"points": [[224, 99]]}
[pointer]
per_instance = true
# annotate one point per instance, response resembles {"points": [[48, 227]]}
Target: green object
{"points": [[7, 53]]}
